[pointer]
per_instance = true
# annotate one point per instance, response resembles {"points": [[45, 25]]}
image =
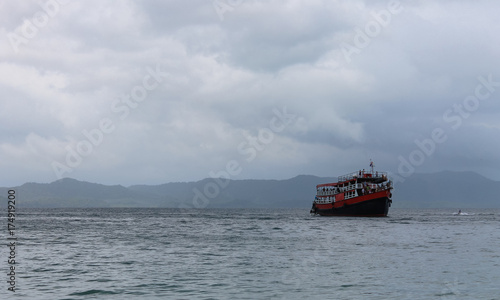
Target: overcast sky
{"points": [[149, 92]]}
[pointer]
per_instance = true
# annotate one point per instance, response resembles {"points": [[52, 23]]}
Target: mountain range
{"points": [[444, 189]]}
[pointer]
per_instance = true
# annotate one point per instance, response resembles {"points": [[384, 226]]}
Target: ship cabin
{"points": [[352, 185]]}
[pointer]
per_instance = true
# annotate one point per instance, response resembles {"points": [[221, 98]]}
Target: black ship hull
{"points": [[378, 207]]}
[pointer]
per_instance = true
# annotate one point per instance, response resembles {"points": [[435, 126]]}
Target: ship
{"points": [[357, 194]]}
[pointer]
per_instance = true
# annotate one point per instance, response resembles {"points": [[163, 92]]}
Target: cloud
{"points": [[222, 79]]}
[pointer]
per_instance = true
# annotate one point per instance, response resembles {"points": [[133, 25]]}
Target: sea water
{"points": [[253, 254]]}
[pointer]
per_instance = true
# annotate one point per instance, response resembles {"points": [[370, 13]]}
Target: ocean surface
{"points": [[253, 254]]}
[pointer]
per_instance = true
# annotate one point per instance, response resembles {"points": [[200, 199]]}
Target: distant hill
{"points": [[295, 192], [448, 189], [69, 192], [444, 189]]}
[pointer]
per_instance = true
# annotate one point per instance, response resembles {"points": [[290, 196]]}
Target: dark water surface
{"points": [[254, 254]]}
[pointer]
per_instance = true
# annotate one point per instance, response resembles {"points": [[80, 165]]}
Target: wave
{"points": [[463, 214], [93, 292]]}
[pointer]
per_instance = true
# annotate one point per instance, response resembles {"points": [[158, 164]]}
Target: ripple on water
{"points": [[94, 292]]}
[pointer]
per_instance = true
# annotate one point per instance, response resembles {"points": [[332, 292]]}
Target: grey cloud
{"points": [[221, 80]]}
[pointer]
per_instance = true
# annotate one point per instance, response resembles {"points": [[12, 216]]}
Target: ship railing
{"points": [[329, 192], [323, 201], [373, 188], [326, 193], [348, 177], [351, 187], [380, 175], [362, 174], [350, 194]]}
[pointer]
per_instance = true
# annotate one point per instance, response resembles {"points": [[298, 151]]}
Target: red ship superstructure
{"points": [[366, 194]]}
